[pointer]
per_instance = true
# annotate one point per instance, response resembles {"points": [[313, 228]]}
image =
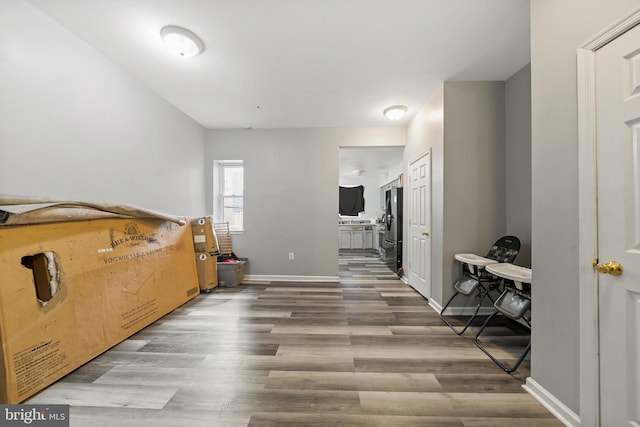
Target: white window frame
{"points": [[218, 188]]}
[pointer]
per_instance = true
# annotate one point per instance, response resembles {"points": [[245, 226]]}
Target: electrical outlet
{"points": [[291, 256]]}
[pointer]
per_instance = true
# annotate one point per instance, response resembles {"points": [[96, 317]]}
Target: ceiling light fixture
{"points": [[395, 112], [181, 41]]}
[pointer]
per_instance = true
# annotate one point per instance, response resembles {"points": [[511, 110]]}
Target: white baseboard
{"points": [[251, 278], [435, 305], [549, 401]]}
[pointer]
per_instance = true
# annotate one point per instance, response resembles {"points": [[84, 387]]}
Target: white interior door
{"points": [[618, 192], [420, 225]]}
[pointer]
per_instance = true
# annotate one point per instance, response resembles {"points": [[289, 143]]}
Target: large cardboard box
{"points": [[207, 267], [204, 238], [71, 290]]}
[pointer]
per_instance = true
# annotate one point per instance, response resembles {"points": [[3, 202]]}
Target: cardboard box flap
{"points": [[17, 210]]}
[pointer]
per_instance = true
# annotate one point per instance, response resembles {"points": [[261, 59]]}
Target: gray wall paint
{"points": [[474, 172], [518, 160], [75, 126], [291, 193], [463, 125], [558, 27]]}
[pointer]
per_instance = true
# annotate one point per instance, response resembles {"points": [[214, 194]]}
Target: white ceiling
{"points": [[372, 161], [304, 63]]}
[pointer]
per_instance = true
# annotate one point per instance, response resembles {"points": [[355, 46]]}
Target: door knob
{"points": [[425, 233], [613, 268]]}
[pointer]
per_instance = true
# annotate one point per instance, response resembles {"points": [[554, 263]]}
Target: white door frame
{"points": [[588, 222]]}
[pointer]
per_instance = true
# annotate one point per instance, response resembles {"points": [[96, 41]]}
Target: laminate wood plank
{"points": [[174, 360], [303, 296], [234, 312], [400, 351], [422, 311], [217, 377], [485, 382], [84, 416], [318, 314], [435, 329], [471, 367], [352, 381], [131, 396], [276, 283], [338, 304], [331, 419], [194, 323], [401, 294], [405, 301], [511, 422], [393, 341], [281, 363], [130, 344], [332, 330], [87, 373], [512, 405], [356, 281], [221, 347], [227, 339], [274, 400], [302, 289]]}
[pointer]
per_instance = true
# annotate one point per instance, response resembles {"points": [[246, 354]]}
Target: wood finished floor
{"points": [[368, 351]]}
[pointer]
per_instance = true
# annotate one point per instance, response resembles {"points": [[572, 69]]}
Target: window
{"points": [[229, 193]]}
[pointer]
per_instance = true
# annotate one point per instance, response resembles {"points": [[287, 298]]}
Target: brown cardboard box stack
{"points": [[71, 290], [206, 246]]}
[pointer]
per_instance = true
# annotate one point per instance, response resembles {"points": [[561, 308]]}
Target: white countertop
{"points": [[518, 274], [474, 259]]}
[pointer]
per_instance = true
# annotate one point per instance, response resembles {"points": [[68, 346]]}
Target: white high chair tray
{"points": [[474, 259], [512, 272]]}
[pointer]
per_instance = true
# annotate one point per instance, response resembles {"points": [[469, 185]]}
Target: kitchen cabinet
{"points": [[356, 236], [345, 239], [368, 238]]}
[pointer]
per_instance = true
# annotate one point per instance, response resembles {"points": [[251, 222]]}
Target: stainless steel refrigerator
{"points": [[391, 250]]}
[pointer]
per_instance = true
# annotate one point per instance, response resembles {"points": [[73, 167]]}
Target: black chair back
{"points": [[505, 249]]}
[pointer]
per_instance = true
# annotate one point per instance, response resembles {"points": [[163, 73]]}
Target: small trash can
{"points": [[231, 273]]}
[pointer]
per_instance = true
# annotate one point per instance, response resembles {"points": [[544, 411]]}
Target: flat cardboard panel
{"points": [[207, 266], [108, 279], [204, 238]]}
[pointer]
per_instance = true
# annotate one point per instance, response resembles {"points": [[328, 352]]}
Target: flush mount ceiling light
{"points": [[181, 41], [395, 112]]}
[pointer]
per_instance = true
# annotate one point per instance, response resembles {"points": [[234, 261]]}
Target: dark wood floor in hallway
{"points": [[367, 351]]}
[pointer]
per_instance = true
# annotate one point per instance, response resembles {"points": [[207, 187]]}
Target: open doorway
{"points": [[369, 170]]}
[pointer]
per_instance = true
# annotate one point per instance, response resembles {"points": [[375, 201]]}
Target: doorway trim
{"points": [[587, 219]]}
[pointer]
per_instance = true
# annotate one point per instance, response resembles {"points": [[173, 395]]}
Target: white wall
{"points": [[75, 126], [558, 27], [291, 193]]}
